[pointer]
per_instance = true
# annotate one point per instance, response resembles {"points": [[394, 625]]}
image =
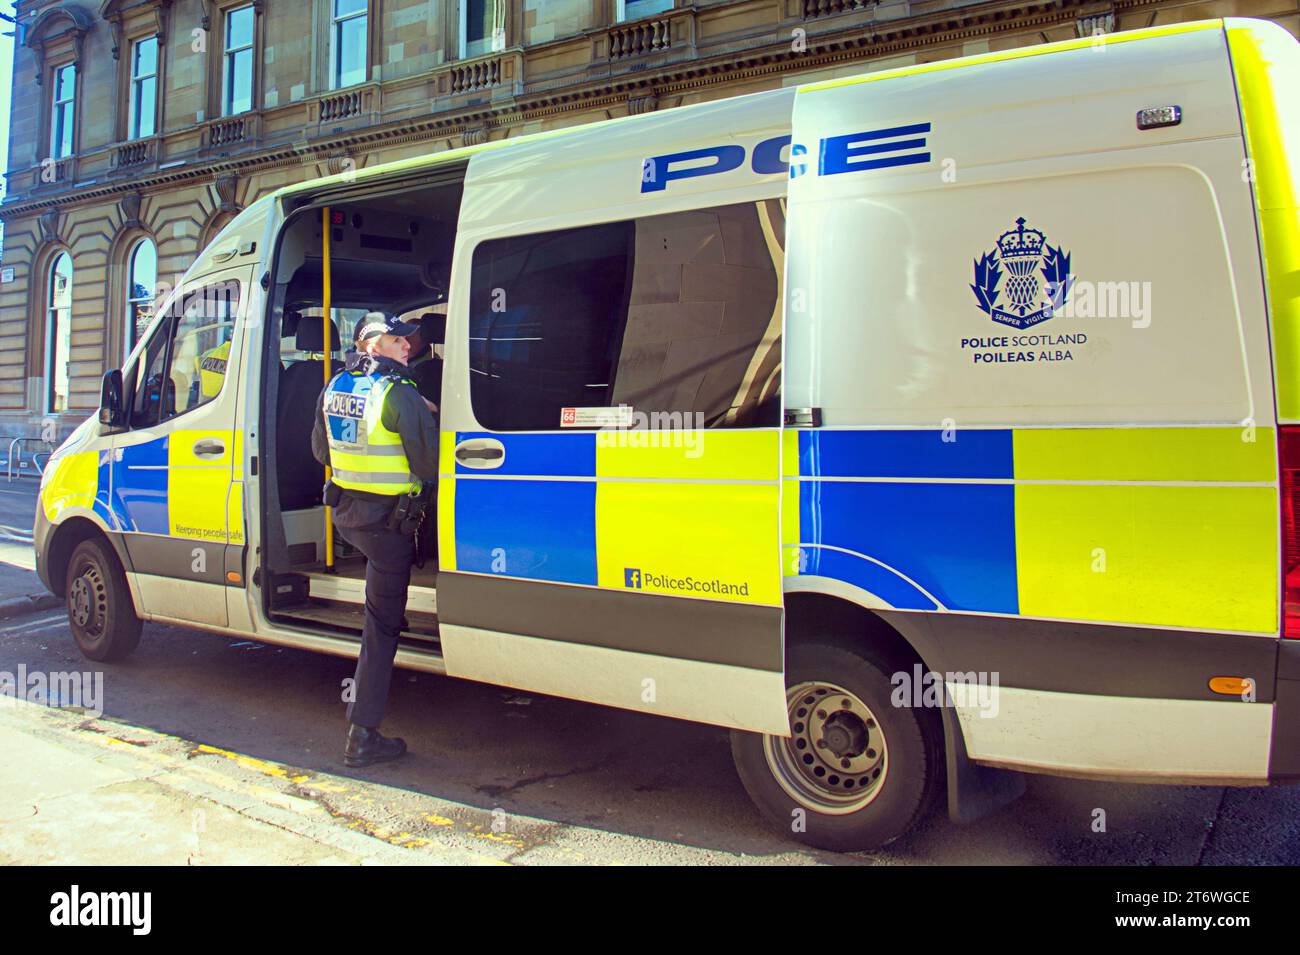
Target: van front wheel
{"points": [[856, 772], [100, 612]]}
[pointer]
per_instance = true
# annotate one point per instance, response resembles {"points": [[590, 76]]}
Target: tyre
{"points": [[857, 771], [100, 612]]}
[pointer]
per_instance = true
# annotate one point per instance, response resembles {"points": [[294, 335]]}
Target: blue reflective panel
{"points": [[541, 530], [571, 454], [954, 541], [965, 453], [104, 479], [140, 487]]}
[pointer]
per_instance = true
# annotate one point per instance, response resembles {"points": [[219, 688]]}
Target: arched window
{"points": [[58, 322], [141, 281]]}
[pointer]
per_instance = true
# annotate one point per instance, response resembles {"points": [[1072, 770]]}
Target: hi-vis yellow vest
{"points": [[212, 370], [364, 455]]}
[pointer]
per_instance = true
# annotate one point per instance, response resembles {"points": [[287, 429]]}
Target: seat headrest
{"points": [[311, 336], [433, 328]]}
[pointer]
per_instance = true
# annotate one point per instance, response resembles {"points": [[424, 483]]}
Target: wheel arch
{"points": [[812, 613], [63, 540], [905, 639]]}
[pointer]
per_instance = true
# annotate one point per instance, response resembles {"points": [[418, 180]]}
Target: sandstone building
{"points": [[140, 127]]}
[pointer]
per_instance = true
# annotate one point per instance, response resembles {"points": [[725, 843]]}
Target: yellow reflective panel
{"points": [[714, 455], [1146, 454], [1260, 57], [74, 483], [1176, 556], [447, 501], [198, 488], [702, 521], [790, 490], [237, 457], [713, 541]]}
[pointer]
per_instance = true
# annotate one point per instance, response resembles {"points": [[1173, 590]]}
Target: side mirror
{"points": [[111, 412]]}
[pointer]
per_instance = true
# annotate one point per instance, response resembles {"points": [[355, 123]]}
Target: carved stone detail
{"points": [[646, 103], [475, 135], [49, 225], [129, 206]]}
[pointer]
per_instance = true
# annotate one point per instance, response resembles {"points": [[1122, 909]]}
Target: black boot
{"points": [[366, 746]]}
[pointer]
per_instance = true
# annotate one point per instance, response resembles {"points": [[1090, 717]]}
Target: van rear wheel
{"points": [[856, 772], [101, 614]]}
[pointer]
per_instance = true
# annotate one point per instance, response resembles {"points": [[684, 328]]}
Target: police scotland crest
{"points": [[1037, 278]]}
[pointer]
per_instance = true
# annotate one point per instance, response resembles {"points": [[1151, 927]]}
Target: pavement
{"points": [[21, 591], [97, 792], [101, 793]]}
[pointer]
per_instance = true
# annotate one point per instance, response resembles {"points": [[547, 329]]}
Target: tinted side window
{"points": [[675, 316], [544, 314]]}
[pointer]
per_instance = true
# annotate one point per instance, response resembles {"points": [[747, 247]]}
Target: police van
{"points": [[924, 428]]}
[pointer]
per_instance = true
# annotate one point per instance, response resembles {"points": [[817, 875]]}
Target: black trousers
{"points": [[389, 556]]}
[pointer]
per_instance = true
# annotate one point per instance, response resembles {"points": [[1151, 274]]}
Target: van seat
{"points": [[298, 473]]}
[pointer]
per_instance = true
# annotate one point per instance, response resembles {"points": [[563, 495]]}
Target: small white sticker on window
{"points": [[604, 417]]}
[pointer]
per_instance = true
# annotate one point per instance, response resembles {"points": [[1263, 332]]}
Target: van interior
{"points": [[390, 251]]}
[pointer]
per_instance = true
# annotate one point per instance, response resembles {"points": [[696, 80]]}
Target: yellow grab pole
{"points": [[325, 321]]}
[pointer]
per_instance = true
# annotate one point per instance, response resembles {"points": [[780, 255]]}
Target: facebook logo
{"points": [[631, 577]]}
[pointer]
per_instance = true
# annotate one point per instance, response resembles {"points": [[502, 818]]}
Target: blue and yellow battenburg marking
{"points": [[688, 514], [1160, 526], [156, 487], [78, 481]]}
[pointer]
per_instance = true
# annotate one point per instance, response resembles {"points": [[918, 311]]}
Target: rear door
{"points": [[172, 470]]}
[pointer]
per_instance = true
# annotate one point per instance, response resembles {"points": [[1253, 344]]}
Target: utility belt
{"points": [[408, 510]]}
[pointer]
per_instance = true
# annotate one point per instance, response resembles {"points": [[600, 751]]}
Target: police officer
{"points": [[426, 363], [381, 441], [212, 370]]}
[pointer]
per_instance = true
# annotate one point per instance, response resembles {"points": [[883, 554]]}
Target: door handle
{"points": [[209, 448], [481, 453]]}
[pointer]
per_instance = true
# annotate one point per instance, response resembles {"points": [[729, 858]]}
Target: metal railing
{"points": [[36, 455]]}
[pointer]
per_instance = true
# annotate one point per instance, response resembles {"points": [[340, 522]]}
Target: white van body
{"points": [[1029, 319]]}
